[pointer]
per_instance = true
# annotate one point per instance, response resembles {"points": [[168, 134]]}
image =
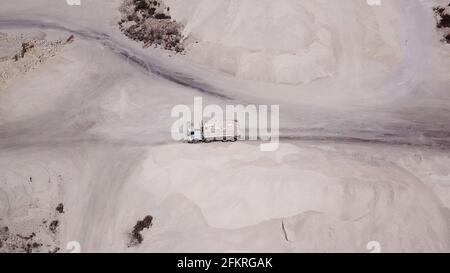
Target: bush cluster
{"points": [[149, 21]]}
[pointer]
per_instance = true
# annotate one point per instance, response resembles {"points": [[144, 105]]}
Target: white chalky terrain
{"points": [[364, 116]]}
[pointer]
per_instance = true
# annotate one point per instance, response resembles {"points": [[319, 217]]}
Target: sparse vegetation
{"points": [[60, 208], [443, 17], [136, 237], [38, 240], [149, 21], [443, 21], [10, 242], [53, 226]]}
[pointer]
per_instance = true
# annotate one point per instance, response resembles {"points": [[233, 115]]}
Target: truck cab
{"points": [[194, 135]]}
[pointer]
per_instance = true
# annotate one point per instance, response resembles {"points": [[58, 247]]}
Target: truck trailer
{"points": [[213, 130]]}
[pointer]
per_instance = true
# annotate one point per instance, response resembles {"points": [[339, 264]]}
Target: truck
{"points": [[213, 130]]}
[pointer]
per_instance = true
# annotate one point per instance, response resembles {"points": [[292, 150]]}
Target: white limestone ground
{"points": [[92, 130]]}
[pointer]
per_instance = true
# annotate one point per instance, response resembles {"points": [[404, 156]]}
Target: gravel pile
{"points": [[19, 55]]}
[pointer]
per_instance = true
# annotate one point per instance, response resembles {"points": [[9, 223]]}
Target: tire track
{"points": [[123, 52]]}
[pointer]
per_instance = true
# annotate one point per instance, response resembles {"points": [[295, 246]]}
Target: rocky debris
{"points": [[30, 224], [10, 242], [136, 237], [30, 238], [443, 21], [70, 39], [149, 21], [20, 54], [27, 237], [25, 48], [60, 208], [55, 250]]}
